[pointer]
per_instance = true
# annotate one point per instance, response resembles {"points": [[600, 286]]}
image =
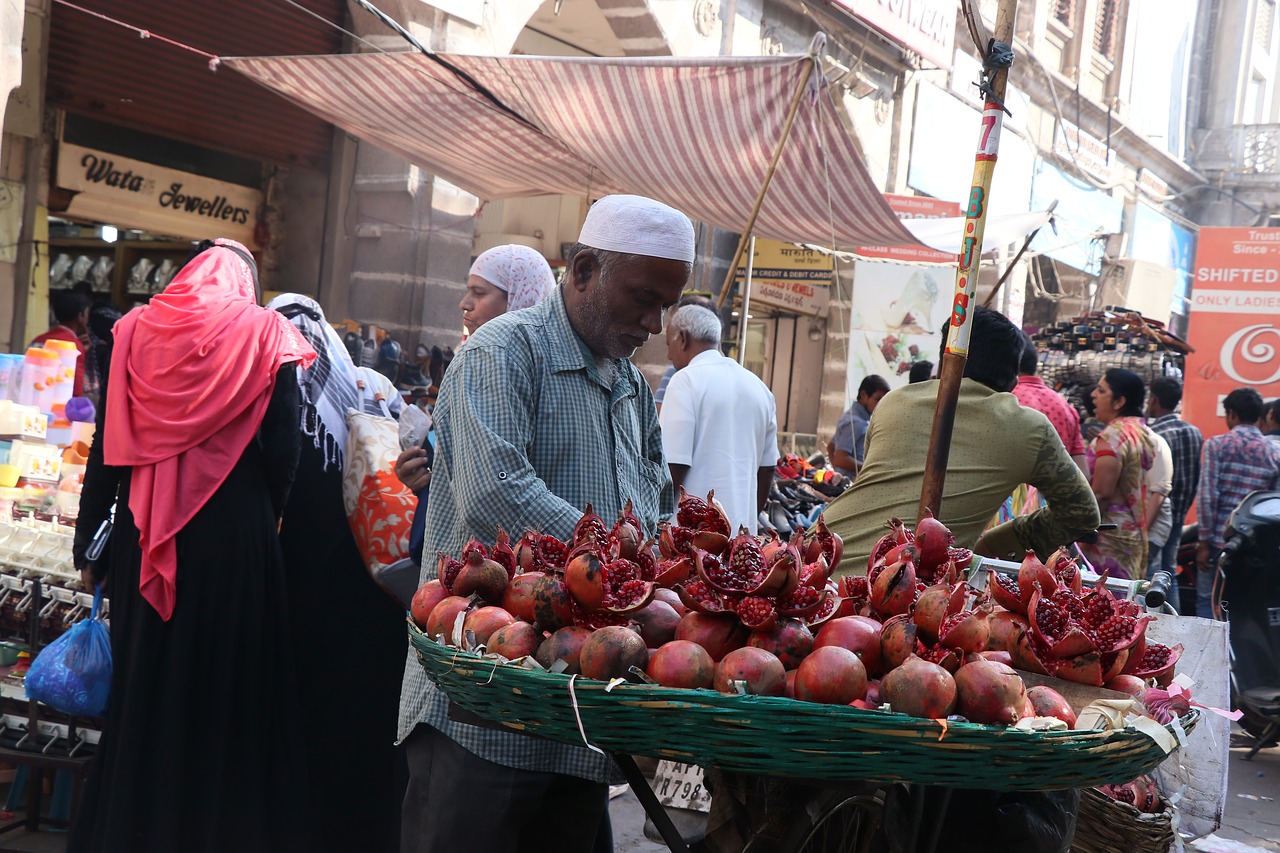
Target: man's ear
{"points": [[581, 268]]}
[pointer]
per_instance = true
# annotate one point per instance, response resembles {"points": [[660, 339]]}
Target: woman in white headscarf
{"points": [[504, 278], [352, 766]]}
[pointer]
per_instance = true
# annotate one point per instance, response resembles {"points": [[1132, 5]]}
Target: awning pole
{"points": [[986, 303], [746, 303], [811, 63], [956, 354]]}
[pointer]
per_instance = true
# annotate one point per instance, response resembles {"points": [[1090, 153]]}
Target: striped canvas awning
{"points": [[697, 134]]}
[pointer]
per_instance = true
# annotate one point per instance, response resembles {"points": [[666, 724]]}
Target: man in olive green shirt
{"points": [[997, 445]]}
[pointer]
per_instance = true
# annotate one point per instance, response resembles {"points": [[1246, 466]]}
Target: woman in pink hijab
{"points": [[504, 278], [196, 446]]}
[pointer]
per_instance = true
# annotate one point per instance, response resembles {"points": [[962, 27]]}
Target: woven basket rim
{"points": [[675, 697]]}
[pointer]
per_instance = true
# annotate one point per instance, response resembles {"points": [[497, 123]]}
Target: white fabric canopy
{"points": [[1001, 230]]}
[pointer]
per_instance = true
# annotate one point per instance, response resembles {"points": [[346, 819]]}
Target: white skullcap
{"points": [[635, 225]]}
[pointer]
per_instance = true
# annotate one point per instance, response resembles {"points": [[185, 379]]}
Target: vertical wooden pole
{"points": [[810, 64], [951, 370]]}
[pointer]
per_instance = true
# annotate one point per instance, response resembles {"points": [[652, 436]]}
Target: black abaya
{"points": [[202, 748], [350, 640]]}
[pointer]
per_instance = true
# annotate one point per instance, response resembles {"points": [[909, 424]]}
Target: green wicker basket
{"points": [[783, 737]]}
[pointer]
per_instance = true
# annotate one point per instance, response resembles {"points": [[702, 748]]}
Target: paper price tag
{"points": [[681, 786]]}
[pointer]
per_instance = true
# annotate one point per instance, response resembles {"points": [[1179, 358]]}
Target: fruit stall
{"points": [[745, 653]]}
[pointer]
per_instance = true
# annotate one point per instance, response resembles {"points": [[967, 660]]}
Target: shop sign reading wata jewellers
{"points": [[134, 194]]}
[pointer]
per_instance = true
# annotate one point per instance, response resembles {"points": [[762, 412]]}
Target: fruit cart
{"points": [[778, 737]]}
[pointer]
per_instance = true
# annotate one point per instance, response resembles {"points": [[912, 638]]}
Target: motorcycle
{"points": [[1249, 587]]}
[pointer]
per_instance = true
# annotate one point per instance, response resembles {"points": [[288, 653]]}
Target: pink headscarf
{"points": [[191, 377], [522, 272]]}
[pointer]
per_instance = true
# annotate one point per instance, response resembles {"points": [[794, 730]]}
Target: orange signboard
{"points": [[1234, 323], [915, 207]]}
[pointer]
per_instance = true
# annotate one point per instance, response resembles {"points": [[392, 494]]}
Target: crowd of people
{"points": [[1144, 468], [240, 720]]}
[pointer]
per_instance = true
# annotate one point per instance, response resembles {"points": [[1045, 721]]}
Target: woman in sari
{"points": [[1118, 458]]}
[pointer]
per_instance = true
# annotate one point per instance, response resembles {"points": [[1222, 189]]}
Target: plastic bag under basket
{"points": [[73, 673]]}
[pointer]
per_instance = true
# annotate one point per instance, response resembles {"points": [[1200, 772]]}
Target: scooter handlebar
{"points": [[1158, 589]]}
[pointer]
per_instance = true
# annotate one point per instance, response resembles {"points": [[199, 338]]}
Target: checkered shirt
{"points": [[1185, 442], [1235, 464], [527, 433]]}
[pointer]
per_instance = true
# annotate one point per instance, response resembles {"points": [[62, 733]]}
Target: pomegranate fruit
{"points": [[1004, 629], [707, 516], [444, 616], [1034, 576], [789, 640], [590, 530], [627, 534], [1156, 662], [503, 554], [515, 641], [854, 590], [919, 689], [897, 536], [480, 575], [552, 603], [425, 599], [670, 596], [698, 596], [893, 586], [1066, 624], [932, 541], [718, 633], [681, 663], [674, 571], [990, 692], [831, 675], [804, 600], [447, 569], [756, 612], [610, 652], [897, 642], [584, 576], [823, 543], [656, 622], [931, 607], [858, 634], [566, 645], [1004, 591], [966, 630], [483, 622], [826, 611], [1047, 702], [1125, 683], [759, 673], [518, 599]]}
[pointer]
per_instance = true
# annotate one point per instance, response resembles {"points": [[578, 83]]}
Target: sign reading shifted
{"points": [[134, 194], [1234, 323], [790, 277]]}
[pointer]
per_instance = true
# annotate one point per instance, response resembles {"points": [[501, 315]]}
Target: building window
{"points": [[1264, 24], [1064, 11], [1106, 29]]}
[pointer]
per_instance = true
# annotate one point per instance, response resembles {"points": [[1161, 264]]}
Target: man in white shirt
{"points": [[719, 421]]}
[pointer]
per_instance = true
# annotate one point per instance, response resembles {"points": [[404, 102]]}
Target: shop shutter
{"points": [[107, 72]]}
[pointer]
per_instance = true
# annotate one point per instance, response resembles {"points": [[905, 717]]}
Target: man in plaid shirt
{"points": [[1235, 464], [539, 414], [1185, 442]]}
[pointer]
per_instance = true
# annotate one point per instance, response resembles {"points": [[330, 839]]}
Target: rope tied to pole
{"points": [[998, 57]]}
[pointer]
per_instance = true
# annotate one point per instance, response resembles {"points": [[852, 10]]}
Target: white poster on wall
{"points": [[11, 17], [898, 310]]}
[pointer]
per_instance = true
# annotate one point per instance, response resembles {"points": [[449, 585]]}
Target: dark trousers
{"points": [[459, 801]]}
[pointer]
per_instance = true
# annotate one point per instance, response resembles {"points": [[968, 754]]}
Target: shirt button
{"points": [[502, 475]]}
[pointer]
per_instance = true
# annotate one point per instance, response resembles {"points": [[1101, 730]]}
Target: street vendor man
{"points": [[540, 414], [996, 445]]}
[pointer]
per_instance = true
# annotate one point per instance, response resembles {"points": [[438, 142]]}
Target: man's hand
{"points": [[412, 470], [1202, 556], [88, 579]]}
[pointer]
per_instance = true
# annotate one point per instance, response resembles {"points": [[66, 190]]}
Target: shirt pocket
{"points": [[645, 491]]}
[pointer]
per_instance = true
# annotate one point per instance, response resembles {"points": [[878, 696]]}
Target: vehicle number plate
{"points": [[681, 786]]}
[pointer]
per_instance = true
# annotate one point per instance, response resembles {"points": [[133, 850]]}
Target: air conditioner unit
{"points": [[1139, 286]]}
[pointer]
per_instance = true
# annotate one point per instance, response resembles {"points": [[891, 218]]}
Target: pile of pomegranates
{"points": [[699, 606]]}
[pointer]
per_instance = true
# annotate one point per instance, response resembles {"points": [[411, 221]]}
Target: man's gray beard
{"points": [[595, 314]]}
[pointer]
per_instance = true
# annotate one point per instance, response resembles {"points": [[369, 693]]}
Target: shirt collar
{"points": [[1249, 430], [708, 355], [1172, 416], [1031, 380], [569, 352]]}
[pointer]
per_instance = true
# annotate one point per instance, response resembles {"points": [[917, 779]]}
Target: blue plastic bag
{"points": [[73, 673]]}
